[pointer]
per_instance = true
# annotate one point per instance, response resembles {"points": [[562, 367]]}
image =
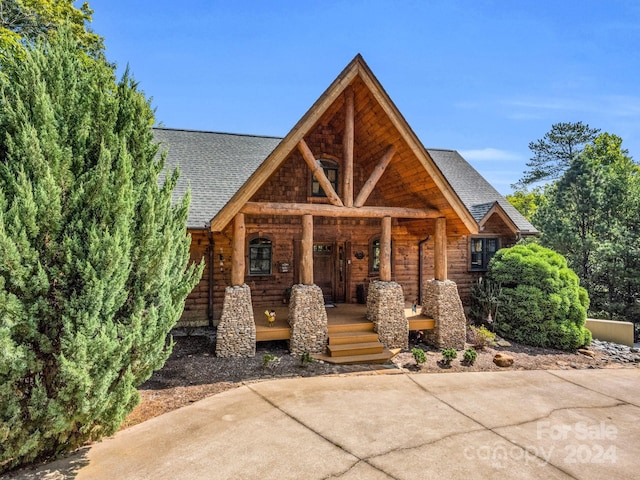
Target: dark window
{"points": [[482, 251], [331, 171], [260, 256]]}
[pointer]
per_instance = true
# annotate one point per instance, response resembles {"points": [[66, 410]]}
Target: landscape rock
{"points": [[586, 352], [503, 360]]}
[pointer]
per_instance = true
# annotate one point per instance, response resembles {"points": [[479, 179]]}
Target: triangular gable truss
{"points": [[497, 210], [295, 140]]}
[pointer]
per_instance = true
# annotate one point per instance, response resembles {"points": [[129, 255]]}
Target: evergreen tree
{"points": [[590, 216], [553, 154], [93, 254]]}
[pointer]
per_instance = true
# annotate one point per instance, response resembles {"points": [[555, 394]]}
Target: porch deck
{"points": [[342, 317]]}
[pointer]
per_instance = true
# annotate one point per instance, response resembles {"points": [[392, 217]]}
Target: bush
{"points": [[418, 355], [470, 356], [544, 304], [482, 337], [448, 355]]}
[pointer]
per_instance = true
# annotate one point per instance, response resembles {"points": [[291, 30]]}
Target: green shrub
{"points": [[418, 355], [270, 361], [470, 356], [486, 297], [482, 337], [448, 355], [544, 304], [305, 359]]}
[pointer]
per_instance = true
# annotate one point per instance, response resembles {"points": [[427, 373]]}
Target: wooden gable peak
{"points": [[295, 140]]}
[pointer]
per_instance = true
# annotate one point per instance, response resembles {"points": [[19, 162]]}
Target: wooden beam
{"points": [[347, 189], [440, 250], [306, 251], [323, 210], [371, 182], [237, 256], [318, 173], [385, 250]]}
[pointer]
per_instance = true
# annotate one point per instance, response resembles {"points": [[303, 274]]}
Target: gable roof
{"points": [[215, 165], [477, 194], [225, 170]]}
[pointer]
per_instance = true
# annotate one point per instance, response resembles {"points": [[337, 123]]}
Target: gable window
{"points": [[331, 171], [260, 252], [482, 251]]}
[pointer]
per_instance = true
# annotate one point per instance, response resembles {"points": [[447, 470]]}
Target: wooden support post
{"points": [[369, 185], [385, 250], [306, 251], [348, 147], [318, 173], [237, 258], [440, 249]]}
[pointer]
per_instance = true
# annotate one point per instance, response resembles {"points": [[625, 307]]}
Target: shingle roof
{"points": [[475, 192], [215, 165]]}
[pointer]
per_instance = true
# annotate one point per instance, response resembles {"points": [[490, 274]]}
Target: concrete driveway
{"points": [[514, 424]]}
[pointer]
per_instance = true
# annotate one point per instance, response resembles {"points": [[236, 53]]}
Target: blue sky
{"points": [[482, 77]]}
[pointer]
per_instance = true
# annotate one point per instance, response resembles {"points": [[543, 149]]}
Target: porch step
{"points": [[353, 349], [372, 358], [352, 337], [351, 327], [266, 334], [421, 323]]}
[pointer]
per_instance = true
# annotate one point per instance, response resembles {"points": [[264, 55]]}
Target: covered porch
{"points": [[351, 336], [340, 317]]}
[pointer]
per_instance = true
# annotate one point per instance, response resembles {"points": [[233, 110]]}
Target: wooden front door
{"points": [[329, 270]]}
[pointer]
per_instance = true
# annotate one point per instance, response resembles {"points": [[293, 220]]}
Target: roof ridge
{"points": [[217, 133]]}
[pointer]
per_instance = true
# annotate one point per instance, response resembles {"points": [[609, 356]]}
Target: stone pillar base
{"points": [[442, 303], [236, 336], [385, 308], [308, 320]]}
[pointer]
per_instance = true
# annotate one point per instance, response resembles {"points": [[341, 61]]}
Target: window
{"points": [[482, 250], [331, 171], [374, 263], [260, 256], [374, 256]]}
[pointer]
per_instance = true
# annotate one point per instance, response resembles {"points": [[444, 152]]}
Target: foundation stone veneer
{"points": [[236, 336], [442, 303], [308, 320], [385, 308]]}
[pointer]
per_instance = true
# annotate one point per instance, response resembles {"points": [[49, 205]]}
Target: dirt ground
{"points": [[193, 372]]}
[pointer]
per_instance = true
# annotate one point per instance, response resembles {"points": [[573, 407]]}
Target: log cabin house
{"points": [[348, 209]]}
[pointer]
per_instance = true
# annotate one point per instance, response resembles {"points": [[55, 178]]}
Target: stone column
{"points": [[440, 301], [385, 308], [236, 336], [308, 320]]}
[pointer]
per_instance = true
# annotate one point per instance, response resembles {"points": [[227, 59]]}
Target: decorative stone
{"points": [[586, 352], [308, 320], [503, 360], [441, 302], [385, 308], [236, 336]]}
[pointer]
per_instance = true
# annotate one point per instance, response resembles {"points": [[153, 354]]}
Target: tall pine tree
{"points": [[93, 254]]}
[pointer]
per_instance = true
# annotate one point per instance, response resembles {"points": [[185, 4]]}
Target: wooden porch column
{"points": [[440, 249], [306, 265], [385, 250], [348, 148], [237, 258]]}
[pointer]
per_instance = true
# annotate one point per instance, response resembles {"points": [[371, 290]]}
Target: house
{"points": [[349, 207]]}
